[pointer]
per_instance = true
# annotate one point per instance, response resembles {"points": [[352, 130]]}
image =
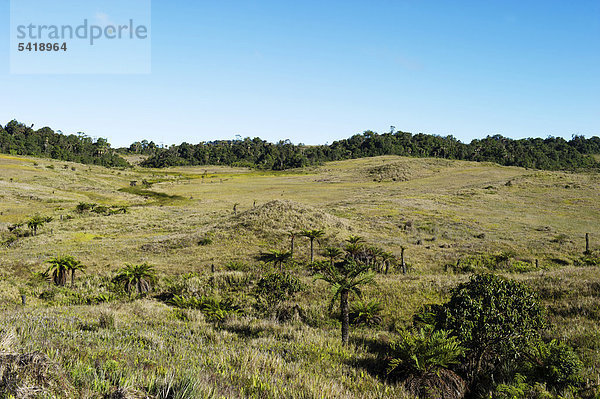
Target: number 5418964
{"points": [[42, 47]]}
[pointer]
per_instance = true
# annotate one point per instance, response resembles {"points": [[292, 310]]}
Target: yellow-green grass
{"points": [[440, 211]]}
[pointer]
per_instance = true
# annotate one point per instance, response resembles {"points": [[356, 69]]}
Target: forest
{"points": [[19, 139], [552, 153]]}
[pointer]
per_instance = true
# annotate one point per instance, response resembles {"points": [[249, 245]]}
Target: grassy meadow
{"points": [[203, 227]]}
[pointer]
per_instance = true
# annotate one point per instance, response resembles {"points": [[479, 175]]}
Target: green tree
{"points": [[345, 277], [73, 266], [312, 235], [332, 253], [36, 222], [496, 319], [138, 277], [355, 239], [354, 250], [367, 313], [60, 266], [278, 258]]}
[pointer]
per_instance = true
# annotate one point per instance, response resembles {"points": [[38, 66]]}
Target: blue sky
{"points": [[315, 71]]}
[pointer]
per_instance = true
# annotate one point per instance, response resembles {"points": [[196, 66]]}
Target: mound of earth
{"points": [[406, 170], [283, 216]]}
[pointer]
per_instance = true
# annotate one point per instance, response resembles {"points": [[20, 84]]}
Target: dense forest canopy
{"points": [[18, 139], [552, 153]]}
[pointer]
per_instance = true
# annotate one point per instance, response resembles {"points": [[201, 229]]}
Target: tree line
{"points": [[19, 139], [551, 153]]}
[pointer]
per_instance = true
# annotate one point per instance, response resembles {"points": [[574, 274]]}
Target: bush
{"points": [[84, 206], [237, 266], [214, 309], [520, 389], [366, 313], [275, 288], [422, 361], [496, 319], [557, 365]]}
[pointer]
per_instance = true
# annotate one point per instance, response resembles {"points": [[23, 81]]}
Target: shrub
{"points": [[214, 309], [136, 277], [106, 320], [557, 365], [496, 319], [237, 266], [205, 241], [366, 313], [101, 209], [84, 206], [422, 361], [275, 288], [520, 389]]}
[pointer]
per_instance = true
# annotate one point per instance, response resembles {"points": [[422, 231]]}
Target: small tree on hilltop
{"points": [[345, 277]]}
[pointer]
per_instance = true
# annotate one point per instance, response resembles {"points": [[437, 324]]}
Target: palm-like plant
{"points": [[312, 235], [278, 258], [58, 268], [332, 253], [37, 221], [366, 312], [72, 266], [138, 277], [422, 361], [345, 277], [374, 255], [353, 250], [387, 259], [354, 239]]}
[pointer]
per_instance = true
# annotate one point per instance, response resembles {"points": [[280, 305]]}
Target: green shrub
{"points": [[84, 206], [205, 241], [214, 309], [557, 365], [497, 320], [275, 288], [422, 362], [424, 351], [106, 320], [366, 313], [520, 389], [237, 266]]}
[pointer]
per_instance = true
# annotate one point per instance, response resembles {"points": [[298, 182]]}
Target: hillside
{"points": [[187, 220]]}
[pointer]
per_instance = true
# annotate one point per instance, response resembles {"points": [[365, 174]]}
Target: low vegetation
{"points": [[323, 283]]}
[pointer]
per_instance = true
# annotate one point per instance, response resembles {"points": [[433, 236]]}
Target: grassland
{"points": [[440, 211]]}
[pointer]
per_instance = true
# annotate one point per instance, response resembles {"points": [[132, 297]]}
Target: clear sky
{"points": [[317, 71]]}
